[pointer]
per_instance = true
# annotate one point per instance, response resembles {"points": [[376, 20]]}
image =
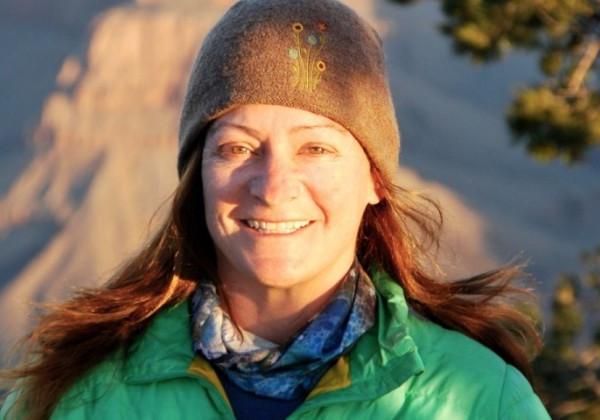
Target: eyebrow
{"points": [[218, 125], [324, 125], [257, 134]]}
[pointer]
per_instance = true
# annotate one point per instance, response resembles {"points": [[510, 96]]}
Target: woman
{"points": [[289, 279]]}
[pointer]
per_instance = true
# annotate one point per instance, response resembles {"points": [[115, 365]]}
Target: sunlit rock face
{"points": [[105, 154], [105, 151]]}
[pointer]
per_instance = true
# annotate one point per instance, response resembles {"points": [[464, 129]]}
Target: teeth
{"points": [[277, 227]]}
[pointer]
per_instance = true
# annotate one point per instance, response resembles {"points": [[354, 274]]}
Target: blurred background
{"points": [[499, 108]]}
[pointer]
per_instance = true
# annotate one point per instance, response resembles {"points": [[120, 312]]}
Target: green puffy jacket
{"points": [[404, 367]]}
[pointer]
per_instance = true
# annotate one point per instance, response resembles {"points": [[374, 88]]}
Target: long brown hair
{"points": [[397, 235]]}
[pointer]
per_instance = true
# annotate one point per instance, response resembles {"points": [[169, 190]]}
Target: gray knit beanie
{"points": [[316, 55]]}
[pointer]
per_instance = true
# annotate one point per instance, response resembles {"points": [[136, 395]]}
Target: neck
{"points": [[276, 313]]}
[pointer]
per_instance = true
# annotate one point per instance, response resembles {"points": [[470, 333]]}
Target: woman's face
{"points": [[284, 193]]}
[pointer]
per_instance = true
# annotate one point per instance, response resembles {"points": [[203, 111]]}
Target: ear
{"points": [[375, 193]]}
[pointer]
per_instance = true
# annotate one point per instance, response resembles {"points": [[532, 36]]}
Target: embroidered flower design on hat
{"points": [[311, 39], [305, 55], [297, 27]]}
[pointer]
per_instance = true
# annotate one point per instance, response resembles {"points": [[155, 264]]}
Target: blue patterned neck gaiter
{"points": [[290, 370]]}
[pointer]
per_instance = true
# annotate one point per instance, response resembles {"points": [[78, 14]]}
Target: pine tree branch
{"points": [[577, 77], [543, 13]]}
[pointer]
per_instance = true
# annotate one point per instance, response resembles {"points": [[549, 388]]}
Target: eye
{"points": [[234, 150], [317, 149]]}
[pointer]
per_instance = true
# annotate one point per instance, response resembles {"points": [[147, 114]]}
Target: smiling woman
{"points": [[289, 279], [284, 194]]}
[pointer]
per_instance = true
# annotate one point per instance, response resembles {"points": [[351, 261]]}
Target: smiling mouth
{"points": [[277, 228]]}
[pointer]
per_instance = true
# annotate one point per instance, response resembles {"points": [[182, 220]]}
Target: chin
{"points": [[278, 276]]}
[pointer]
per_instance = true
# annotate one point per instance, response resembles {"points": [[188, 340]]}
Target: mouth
{"points": [[276, 228]]}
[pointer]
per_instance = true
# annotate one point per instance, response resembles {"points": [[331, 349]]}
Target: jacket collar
{"points": [[384, 357]]}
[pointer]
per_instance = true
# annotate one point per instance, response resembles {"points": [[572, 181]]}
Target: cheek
{"points": [[217, 204], [340, 190], [209, 191], [218, 186], [326, 183]]}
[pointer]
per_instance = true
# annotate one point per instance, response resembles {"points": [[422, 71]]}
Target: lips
{"points": [[284, 227]]}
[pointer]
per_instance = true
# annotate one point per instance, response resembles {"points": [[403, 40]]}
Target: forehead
{"points": [[274, 117]]}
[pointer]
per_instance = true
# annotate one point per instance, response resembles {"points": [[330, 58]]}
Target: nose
{"points": [[276, 182]]}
